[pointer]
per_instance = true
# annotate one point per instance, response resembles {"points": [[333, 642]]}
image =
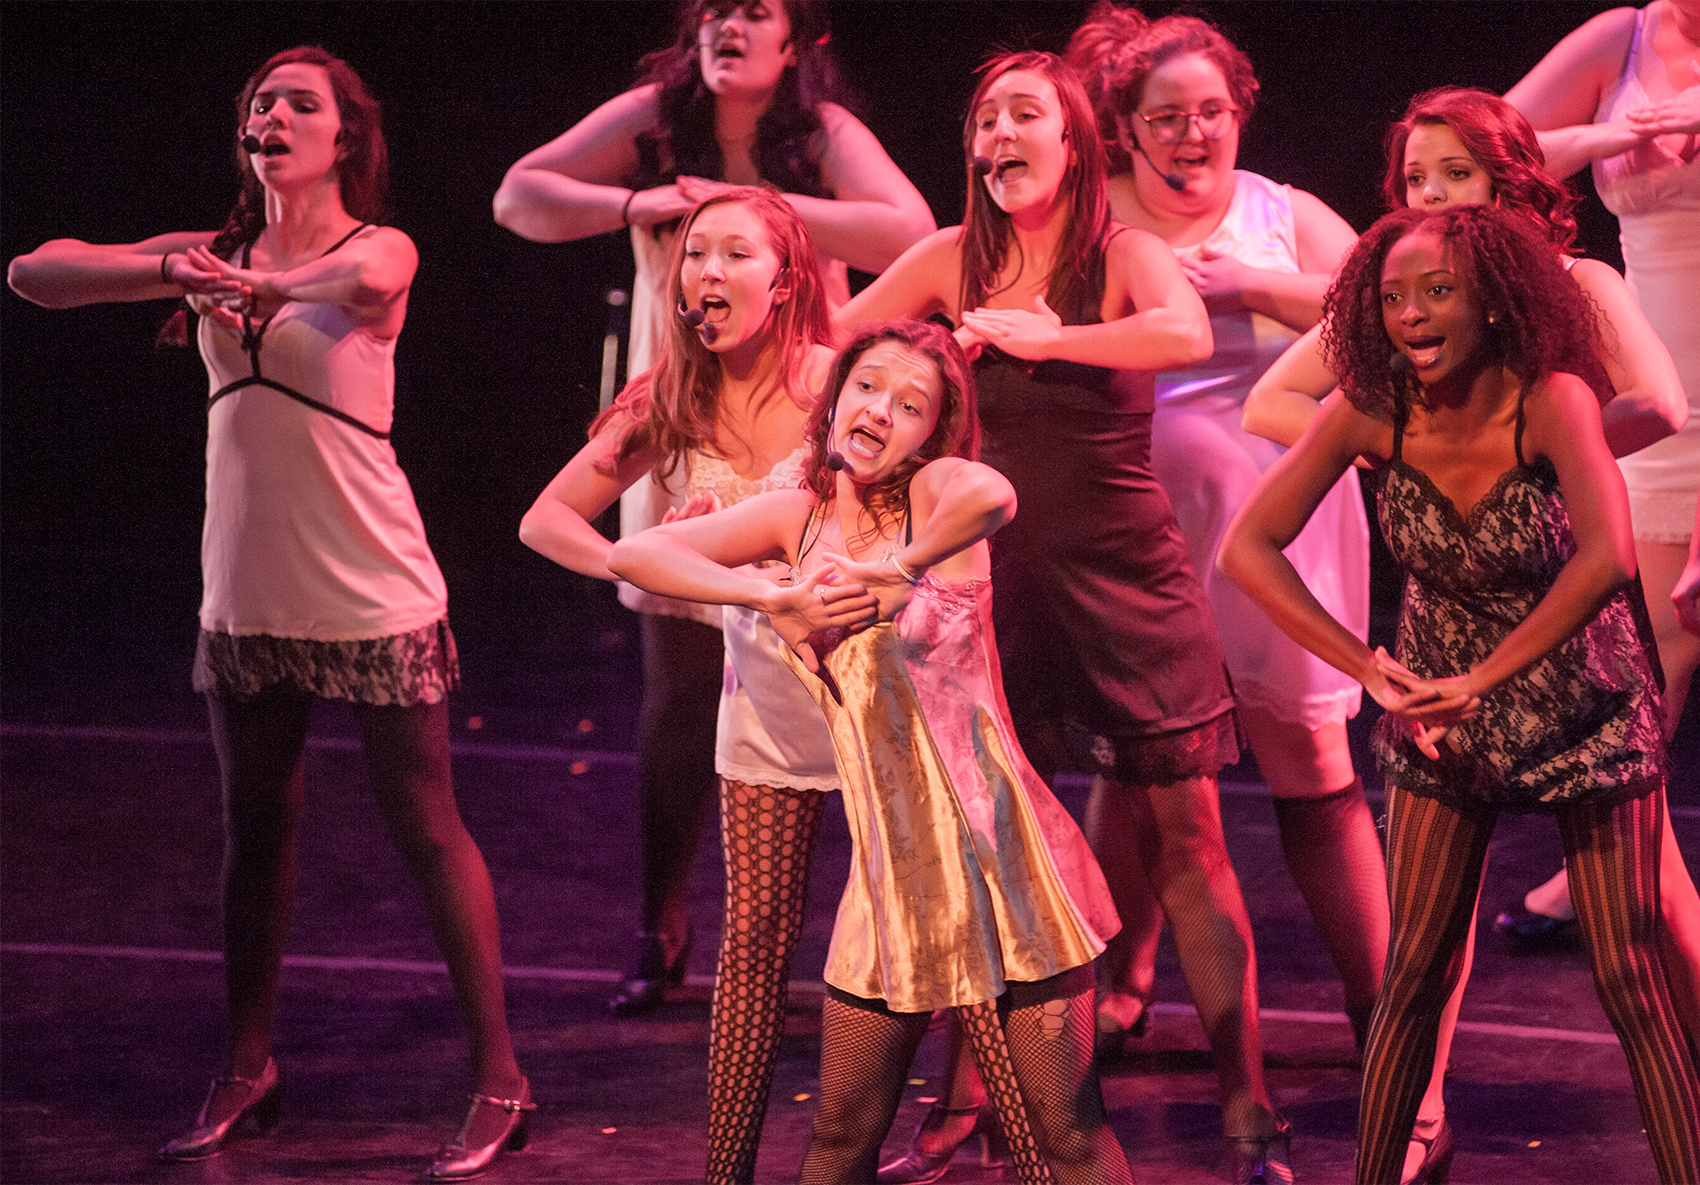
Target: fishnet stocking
{"points": [[769, 836], [985, 1034], [1050, 1047], [864, 1060]]}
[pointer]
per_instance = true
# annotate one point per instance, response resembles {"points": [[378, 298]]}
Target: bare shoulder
{"points": [[1559, 412]]}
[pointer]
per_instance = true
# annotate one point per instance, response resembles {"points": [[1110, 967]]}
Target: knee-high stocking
{"points": [[769, 837], [1186, 858], [1050, 1046], [1613, 857], [1435, 857], [1337, 863], [864, 1060]]}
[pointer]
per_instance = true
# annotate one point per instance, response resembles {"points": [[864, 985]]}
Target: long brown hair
{"points": [[986, 235], [673, 407], [362, 173], [1503, 143], [956, 434]]}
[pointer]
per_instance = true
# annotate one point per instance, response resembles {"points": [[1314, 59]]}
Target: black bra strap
{"points": [[251, 339], [1517, 434], [334, 413]]}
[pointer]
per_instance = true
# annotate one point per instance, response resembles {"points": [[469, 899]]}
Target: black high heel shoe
{"points": [[918, 1167], [457, 1162], [1438, 1148], [645, 989], [1262, 1160], [263, 1103]]}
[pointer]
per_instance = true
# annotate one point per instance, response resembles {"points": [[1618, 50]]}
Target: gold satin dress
{"points": [[967, 872]]}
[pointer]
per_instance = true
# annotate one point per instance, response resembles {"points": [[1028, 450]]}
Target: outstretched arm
{"points": [[1650, 403], [64, 273], [368, 277]]}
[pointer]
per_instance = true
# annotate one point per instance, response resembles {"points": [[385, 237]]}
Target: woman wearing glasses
{"points": [[1171, 97]]}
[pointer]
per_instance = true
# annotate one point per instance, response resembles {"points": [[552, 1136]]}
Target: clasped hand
{"points": [[1429, 707], [224, 293], [1030, 335]]}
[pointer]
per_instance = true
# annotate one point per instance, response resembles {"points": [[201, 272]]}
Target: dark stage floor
{"points": [[111, 995]]}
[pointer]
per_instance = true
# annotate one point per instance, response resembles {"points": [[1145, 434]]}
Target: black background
{"points": [[117, 123]]}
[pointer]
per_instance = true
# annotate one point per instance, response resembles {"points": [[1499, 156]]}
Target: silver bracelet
{"points": [[902, 571]]}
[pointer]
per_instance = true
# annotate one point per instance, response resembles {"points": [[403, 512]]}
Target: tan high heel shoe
{"points": [[263, 1103], [457, 1162]]}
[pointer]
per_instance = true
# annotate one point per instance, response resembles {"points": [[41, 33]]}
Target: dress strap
{"points": [[1517, 432], [1398, 435], [252, 339], [807, 544]]}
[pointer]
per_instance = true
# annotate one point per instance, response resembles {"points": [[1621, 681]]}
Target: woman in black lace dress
{"points": [[1522, 680]]}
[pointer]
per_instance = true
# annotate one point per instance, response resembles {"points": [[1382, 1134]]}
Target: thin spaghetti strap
{"points": [[806, 544], [1517, 433], [345, 238]]}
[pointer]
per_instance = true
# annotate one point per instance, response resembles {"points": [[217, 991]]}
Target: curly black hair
{"points": [[1541, 322]]}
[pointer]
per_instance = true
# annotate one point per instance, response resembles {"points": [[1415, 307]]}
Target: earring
{"points": [[1493, 318]]}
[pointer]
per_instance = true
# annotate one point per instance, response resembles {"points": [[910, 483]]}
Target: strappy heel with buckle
{"points": [[262, 1103], [457, 1162]]}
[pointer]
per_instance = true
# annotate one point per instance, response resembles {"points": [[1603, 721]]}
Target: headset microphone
{"points": [[693, 319], [250, 143], [1401, 366], [1173, 180], [835, 461], [982, 165]]}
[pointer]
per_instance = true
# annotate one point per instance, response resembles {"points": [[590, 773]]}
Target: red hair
{"points": [[1117, 49], [1502, 142], [986, 235], [674, 405]]}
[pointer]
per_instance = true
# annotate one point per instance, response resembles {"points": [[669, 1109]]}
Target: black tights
{"points": [[676, 783], [769, 836], [1036, 1063], [1435, 856], [260, 743]]}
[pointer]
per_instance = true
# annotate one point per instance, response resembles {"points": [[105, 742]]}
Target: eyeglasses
{"points": [[1169, 127]]}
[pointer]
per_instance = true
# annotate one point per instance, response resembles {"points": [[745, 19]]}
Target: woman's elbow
{"points": [[621, 557], [24, 276], [508, 206]]}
